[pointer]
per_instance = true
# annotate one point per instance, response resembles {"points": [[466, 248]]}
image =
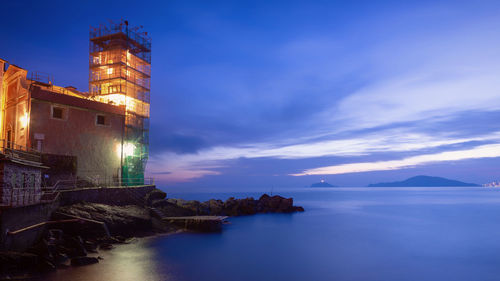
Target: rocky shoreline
{"points": [[85, 229]]}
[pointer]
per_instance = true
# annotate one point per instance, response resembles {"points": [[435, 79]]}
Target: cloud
{"points": [[186, 167], [161, 173], [399, 88], [415, 98], [484, 151]]}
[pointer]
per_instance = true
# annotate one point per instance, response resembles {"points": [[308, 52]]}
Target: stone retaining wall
{"points": [[119, 196], [16, 218]]}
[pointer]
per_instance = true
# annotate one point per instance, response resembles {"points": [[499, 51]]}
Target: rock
{"points": [[127, 221], [46, 266], [80, 261], [193, 206], [247, 206], [275, 204], [60, 258], [106, 246], [299, 209], [171, 209], [90, 246], [215, 207], [56, 233], [156, 194], [231, 207], [119, 239], [198, 225], [74, 246], [204, 209]]}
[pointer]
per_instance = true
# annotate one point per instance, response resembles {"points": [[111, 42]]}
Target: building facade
{"points": [[120, 74], [100, 135]]}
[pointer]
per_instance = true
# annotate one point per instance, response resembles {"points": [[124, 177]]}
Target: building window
{"points": [[101, 120], [57, 112], [13, 180], [113, 89]]}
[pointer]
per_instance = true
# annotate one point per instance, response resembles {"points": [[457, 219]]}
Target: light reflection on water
{"points": [[388, 234], [126, 262]]}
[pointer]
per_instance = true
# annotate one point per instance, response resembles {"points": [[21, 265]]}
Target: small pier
{"points": [[198, 223]]}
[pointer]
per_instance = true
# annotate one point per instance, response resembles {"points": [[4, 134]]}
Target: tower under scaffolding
{"points": [[120, 74]]}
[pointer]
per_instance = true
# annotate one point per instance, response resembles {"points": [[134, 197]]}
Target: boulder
{"points": [[170, 209], [231, 207], [74, 246], [47, 266], [247, 206], [275, 204], [215, 207], [80, 261], [106, 246], [90, 246], [160, 203], [155, 194], [299, 209]]}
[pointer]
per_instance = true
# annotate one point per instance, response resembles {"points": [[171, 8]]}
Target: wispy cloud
{"points": [[418, 97], [484, 151], [208, 162]]}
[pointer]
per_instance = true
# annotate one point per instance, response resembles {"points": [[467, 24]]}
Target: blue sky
{"points": [[284, 93]]}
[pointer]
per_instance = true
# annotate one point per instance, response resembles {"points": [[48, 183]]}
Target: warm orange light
{"points": [[24, 120], [131, 104]]}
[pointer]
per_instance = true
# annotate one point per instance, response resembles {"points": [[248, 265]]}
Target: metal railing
{"points": [[14, 150], [96, 181], [17, 197]]}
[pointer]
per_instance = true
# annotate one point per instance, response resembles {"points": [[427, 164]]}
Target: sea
{"points": [[345, 234]]}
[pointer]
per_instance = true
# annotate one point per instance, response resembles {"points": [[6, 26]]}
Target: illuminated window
{"points": [[110, 71], [113, 89]]}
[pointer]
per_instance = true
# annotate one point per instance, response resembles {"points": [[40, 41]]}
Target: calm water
{"points": [[345, 234]]}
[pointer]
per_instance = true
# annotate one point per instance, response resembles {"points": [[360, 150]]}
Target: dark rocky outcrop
{"points": [[231, 207], [155, 195], [128, 220], [92, 227]]}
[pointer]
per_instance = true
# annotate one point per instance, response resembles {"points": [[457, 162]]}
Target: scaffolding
{"points": [[120, 74]]}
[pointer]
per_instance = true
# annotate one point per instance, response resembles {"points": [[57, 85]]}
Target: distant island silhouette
{"points": [[423, 181], [322, 183]]}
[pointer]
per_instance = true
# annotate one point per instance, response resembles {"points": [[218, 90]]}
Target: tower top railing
{"points": [[139, 37]]}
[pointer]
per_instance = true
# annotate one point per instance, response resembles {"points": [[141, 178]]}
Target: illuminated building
{"points": [[120, 72], [100, 135]]}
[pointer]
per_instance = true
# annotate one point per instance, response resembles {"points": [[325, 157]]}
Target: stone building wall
{"points": [[97, 147], [21, 184]]}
